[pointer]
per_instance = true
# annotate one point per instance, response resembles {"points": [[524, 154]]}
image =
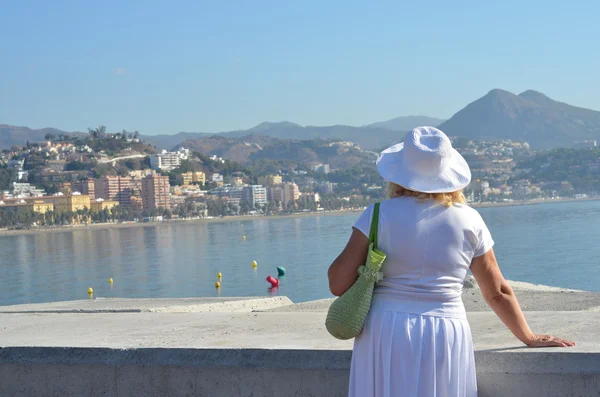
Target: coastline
{"points": [[242, 218]]}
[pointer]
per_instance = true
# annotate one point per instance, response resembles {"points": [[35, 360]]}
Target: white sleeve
{"points": [[484, 238], [363, 224]]}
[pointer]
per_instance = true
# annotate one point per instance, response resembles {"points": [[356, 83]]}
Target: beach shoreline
{"points": [[243, 218]]}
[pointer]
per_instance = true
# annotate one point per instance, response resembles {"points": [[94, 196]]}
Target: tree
{"points": [[49, 137], [97, 133], [7, 177], [245, 207], [77, 166]]}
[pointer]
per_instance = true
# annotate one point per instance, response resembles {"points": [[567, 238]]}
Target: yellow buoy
{"points": [[243, 237], [254, 264], [217, 285], [110, 280], [90, 290], [219, 275]]}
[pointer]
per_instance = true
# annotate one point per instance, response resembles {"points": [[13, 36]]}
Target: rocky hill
{"points": [[17, 135], [530, 116], [254, 148], [407, 123]]}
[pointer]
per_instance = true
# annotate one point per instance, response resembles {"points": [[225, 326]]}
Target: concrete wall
{"points": [[148, 372]]}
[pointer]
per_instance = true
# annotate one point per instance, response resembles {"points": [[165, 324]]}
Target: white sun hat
{"points": [[425, 162]]}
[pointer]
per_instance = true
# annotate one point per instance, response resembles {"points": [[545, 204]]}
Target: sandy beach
{"points": [[99, 226]]}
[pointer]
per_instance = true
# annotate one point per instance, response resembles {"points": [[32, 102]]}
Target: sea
{"points": [[555, 244]]}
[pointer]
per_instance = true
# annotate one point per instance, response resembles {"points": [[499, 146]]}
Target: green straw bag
{"points": [[346, 316]]}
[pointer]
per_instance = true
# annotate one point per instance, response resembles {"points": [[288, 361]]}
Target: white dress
{"points": [[416, 341]]}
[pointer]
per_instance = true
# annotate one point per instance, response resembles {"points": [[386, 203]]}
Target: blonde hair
{"points": [[447, 199]]}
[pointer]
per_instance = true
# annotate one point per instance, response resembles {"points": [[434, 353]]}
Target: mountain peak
{"points": [[406, 123], [530, 116], [534, 96], [497, 92], [266, 125]]}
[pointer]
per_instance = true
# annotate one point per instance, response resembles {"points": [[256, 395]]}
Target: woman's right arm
{"points": [[501, 298]]}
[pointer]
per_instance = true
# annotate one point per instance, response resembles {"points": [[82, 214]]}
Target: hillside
{"points": [[366, 137], [256, 148], [16, 135], [530, 116], [407, 123], [371, 138]]}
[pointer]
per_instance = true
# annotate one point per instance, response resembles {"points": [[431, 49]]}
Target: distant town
{"points": [[104, 178]]}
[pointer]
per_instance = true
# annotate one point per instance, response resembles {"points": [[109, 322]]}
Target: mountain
{"points": [[367, 137], [407, 123], [264, 148], [15, 135], [166, 141], [530, 116]]}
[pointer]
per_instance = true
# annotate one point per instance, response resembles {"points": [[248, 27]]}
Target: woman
{"points": [[416, 340]]}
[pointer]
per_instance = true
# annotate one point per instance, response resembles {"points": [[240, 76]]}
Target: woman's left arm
{"points": [[343, 272]]}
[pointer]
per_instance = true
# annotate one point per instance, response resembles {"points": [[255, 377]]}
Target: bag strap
{"points": [[374, 226]]}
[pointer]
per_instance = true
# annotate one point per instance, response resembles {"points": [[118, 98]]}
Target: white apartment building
{"points": [[168, 161]]}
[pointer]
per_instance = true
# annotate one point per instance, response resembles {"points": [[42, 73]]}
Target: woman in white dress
{"points": [[416, 341]]}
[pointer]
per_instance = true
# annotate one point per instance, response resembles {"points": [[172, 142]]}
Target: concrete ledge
{"points": [[260, 372], [205, 358], [166, 305], [270, 354]]}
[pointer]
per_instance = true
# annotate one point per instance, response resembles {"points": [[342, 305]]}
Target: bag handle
{"points": [[374, 226]]}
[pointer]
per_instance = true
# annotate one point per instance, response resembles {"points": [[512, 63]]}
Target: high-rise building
{"points": [[270, 180], [275, 194], [256, 195], [291, 192], [114, 188], [155, 192], [86, 187]]}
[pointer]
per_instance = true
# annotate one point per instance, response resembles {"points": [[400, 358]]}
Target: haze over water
{"points": [[553, 244]]}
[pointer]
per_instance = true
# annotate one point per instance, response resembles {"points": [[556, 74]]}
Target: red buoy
{"points": [[274, 282]]}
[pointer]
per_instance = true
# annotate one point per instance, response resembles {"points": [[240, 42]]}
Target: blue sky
{"points": [[210, 66]]}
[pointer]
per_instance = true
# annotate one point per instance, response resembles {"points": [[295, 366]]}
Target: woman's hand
{"points": [[548, 341]]}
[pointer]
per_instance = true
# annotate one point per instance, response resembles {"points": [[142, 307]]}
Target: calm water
{"points": [[554, 244]]}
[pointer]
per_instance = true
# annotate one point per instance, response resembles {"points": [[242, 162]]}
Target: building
{"points": [[26, 190], [114, 188], [87, 187], [60, 177], [270, 180], [275, 194], [58, 203], [167, 161], [16, 163], [231, 194], [139, 174], [237, 181], [137, 204], [291, 193], [321, 168], [188, 178], [155, 192], [326, 187], [65, 188], [71, 203], [256, 195], [216, 177], [23, 206], [100, 205]]}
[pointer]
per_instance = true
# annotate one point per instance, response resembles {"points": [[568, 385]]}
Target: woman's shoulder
{"points": [[468, 212]]}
